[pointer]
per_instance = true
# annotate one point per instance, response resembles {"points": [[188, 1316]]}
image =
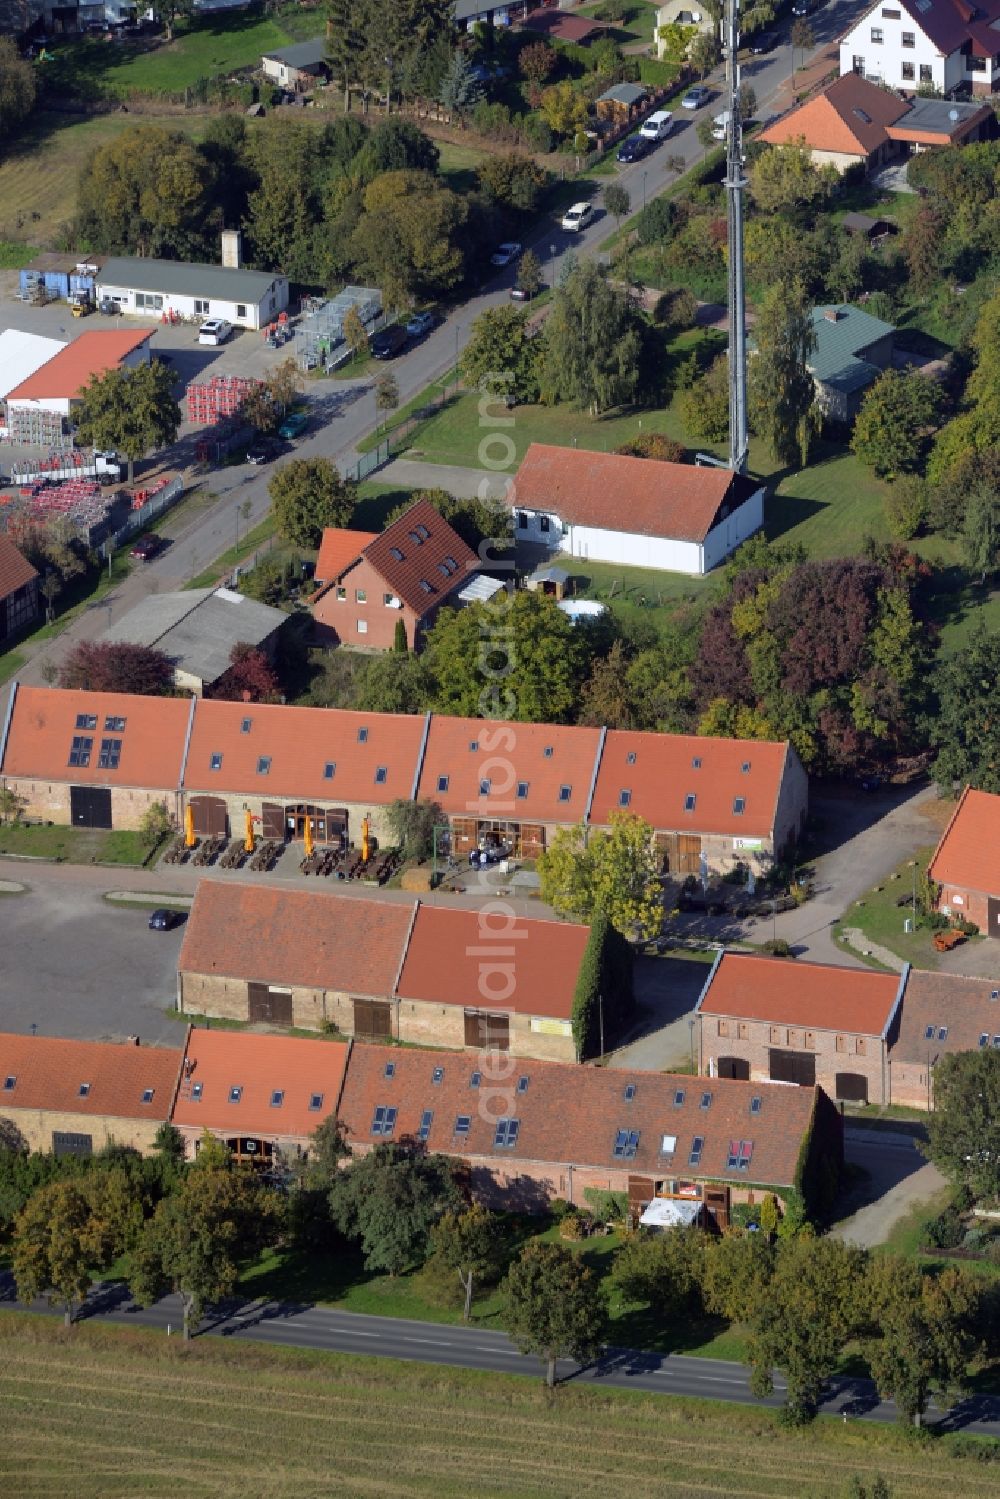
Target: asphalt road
{"points": [[334, 1331]]}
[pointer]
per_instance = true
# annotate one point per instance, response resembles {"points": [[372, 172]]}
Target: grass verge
{"points": [[210, 1022], [234, 555], [131, 1413], [881, 920], [73, 845]]}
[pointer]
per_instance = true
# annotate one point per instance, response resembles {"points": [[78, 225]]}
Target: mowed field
{"points": [[103, 1413]]}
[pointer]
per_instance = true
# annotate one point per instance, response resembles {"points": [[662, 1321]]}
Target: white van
{"points": [[720, 125], [658, 126]]}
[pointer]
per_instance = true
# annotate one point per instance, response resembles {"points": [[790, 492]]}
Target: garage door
{"points": [[272, 819], [993, 917], [852, 1087], [737, 1067], [210, 819], [793, 1067], [487, 1032], [268, 1004], [372, 1020], [90, 806], [69, 1144]]}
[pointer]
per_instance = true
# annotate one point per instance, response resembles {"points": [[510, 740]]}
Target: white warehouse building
{"points": [[637, 512], [152, 288]]}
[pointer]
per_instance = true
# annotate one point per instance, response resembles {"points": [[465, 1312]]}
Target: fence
{"points": [[369, 462], [157, 501]]}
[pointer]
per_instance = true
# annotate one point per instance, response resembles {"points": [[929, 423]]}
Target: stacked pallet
{"points": [[212, 401]]}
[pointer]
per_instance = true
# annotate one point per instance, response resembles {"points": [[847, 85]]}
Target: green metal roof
{"points": [[840, 345], [179, 279]]}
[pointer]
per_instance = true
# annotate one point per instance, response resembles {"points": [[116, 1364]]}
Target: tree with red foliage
{"points": [[117, 666], [249, 678]]}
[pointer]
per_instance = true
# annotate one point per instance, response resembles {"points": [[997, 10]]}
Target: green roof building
{"points": [[852, 349]]}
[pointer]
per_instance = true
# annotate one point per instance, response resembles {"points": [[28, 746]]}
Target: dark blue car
{"points": [[635, 148]]}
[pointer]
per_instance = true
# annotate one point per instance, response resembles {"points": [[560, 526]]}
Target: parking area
{"points": [[73, 965]]}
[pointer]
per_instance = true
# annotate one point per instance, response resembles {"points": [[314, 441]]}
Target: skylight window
{"points": [[277, 1098], [426, 1120], [565, 792], [943, 1033], [236, 1093], [329, 770], [697, 1146], [689, 801], [315, 1102], [390, 1069], [706, 1101], [475, 1079], [84, 1090], [630, 758], [668, 1144], [452, 564], [740, 1152], [147, 1095], [548, 752], [755, 1104], [264, 765], [696, 763], [522, 1084], [505, 1137], [745, 767], [80, 750], [246, 725], [463, 1124], [626, 1144], [984, 1039], [678, 1098], [9, 1084], [444, 570], [522, 790], [113, 725], [423, 532], [484, 786], [381, 775], [427, 587], [629, 1092], [415, 538], [196, 1092], [437, 1075], [86, 721], [395, 553], [473, 746], [362, 736], [929, 1033], [862, 115], [624, 798], [739, 805], [215, 763], [384, 1121], [442, 783]]}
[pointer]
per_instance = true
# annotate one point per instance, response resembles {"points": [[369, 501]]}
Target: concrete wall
{"points": [[38, 1126], [752, 1041]]}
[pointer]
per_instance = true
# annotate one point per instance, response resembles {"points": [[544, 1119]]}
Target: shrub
{"points": [[571, 1227], [559, 1208], [777, 947], [607, 1207], [906, 507], [946, 1231], [538, 133]]}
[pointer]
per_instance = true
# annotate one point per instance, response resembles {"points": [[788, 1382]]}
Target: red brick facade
{"points": [[362, 610]]}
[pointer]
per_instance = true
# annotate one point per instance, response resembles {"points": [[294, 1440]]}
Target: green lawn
{"points": [[72, 845], [881, 920], [458, 165], [125, 1413], [14, 254]]}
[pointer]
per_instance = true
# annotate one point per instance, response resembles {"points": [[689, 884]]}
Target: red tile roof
{"points": [[338, 549], [64, 375], [958, 1011], [835, 120], [462, 753], [458, 957], [48, 1073], [300, 743], [294, 937], [640, 496], [571, 1115], [968, 854], [15, 569], [302, 1071], [46, 720], [431, 554], [659, 773], [564, 28], [817, 996]]}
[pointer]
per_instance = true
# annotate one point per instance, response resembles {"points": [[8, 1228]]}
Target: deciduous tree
{"points": [[129, 410], [784, 180], [413, 823], [18, 88], [512, 179], [615, 871], [665, 1270], [654, 445], [147, 190], [471, 1243], [964, 1126], [501, 357], [922, 1332], [552, 1307], [893, 427], [409, 238], [564, 109], [981, 530], [249, 677], [389, 1200], [617, 201], [703, 52], [308, 495], [67, 1230], [781, 391], [593, 343], [113, 666], [966, 728], [537, 62], [705, 404]]}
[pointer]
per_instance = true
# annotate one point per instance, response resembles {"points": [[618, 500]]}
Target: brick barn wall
{"points": [[292, 1145], [909, 1084], [38, 1125], [793, 804], [970, 904], [237, 805], [757, 1045], [49, 801]]}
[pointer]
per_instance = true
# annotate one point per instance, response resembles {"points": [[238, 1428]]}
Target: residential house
{"points": [[56, 387], [542, 1130], [966, 863], [297, 67], [151, 288], [855, 122], [378, 969], [198, 630], [713, 803], [604, 507], [806, 1023], [262, 1095], [472, 13], [18, 592], [406, 572], [852, 349], [681, 13], [78, 1097], [949, 45]]}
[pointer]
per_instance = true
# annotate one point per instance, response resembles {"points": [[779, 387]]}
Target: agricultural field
{"points": [[117, 1414]]}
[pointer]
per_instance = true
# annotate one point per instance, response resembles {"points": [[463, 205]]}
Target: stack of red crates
{"points": [[213, 400]]}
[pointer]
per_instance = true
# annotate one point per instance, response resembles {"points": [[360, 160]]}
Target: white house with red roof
{"points": [[638, 512], [912, 44]]}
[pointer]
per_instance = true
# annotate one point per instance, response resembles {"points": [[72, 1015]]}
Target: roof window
{"points": [[395, 553], [689, 801], [755, 1104], [745, 767], [626, 1144], [444, 570], [668, 1144], [236, 1093], [629, 1092], [929, 1033], [362, 736], [473, 746], [452, 564], [114, 725], [984, 1040], [522, 790], [215, 763], [442, 783], [390, 1069], [384, 1121], [696, 763], [996, 1042], [862, 114], [706, 1101], [943, 1033], [484, 786], [740, 1152], [246, 725], [463, 1124], [630, 758], [277, 1098], [111, 753], [475, 1079], [147, 1095], [624, 798], [697, 1146], [86, 721], [548, 752], [426, 1120], [437, 1075], [264, 765], [565, 792], [506, 1134], [522, 1084], [427, 587], [84, 1090], [381, 775], [9, 1084], [329, 770], [196, 1091], [995, 994], [739, 805], [423, 532], [315, 1102], [80, 750], [678, 1098]]}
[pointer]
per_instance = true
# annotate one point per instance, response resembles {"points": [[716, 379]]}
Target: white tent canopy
{"points": [[667, 1212]]}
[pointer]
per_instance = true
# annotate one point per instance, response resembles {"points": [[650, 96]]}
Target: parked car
{"points": [[262, 450], [521, 294], [763, 41], [635, 148], [420, 323], [294, 425], [658, 126], [389, 341], [577, 217], [506, 253], [146, 547], [164, 920], [215, 331], [696, 97]]}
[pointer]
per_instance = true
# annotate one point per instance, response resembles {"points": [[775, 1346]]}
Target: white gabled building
{"points": [[910, 44], [638, 512], [154, 288]]}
